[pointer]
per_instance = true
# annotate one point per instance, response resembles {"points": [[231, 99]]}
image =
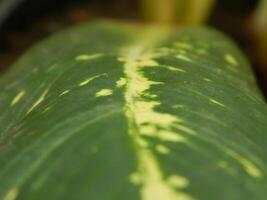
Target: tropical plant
{"points": [[118, 111]]}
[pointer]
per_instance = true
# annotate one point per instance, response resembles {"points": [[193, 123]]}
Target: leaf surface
{"points": [[113, 111]]}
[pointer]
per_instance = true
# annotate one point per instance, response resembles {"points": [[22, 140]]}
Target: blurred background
{"points": [[25, 22]]}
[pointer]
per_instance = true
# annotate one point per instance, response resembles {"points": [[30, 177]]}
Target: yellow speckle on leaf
{"points": [[162, 149], [46, 109], [88, 57], [185, 129], [164, 135], [176, 69], [121, 82], [64, 92], [207, 79], [85, 82], [183, 57], [104, 92], [135, 178], [230, 59], [170, 136], [149, 129], [216, 102], [178, 181], [146, 114], [18, 97], [250, 168], [12, 194], [38, 101], [152, 96]]}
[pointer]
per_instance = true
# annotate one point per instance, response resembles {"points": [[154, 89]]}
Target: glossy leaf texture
{"points": [[116, 111]]}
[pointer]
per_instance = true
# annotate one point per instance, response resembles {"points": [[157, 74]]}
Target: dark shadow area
{"points": [[33, 20]]}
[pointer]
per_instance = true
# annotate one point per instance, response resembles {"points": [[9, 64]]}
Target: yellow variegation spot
{"points": [[184, 57], [164, 135], [64, 92], [85, 82], [150, 95], [18, 97], [104, 92], [88, 57], [135, 178], [230, 59], [207, 79], [216, 102], [121, 82], [170, 136], [149, 129], [146, 114], [175, 69], [38, 101], [46, 109], [12, 194], [185, 129], [178, 181], [162, 149], [250, 168]]}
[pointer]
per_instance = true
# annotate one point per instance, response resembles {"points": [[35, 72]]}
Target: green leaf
{"points": [[112, 111]]}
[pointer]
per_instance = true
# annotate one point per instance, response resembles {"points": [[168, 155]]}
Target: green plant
{"points": [[113, 111]]}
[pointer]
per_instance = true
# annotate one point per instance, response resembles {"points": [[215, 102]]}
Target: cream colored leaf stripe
{"points": [[154, 184]]}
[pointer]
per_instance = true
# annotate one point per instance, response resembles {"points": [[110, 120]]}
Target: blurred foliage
{"points": [[185, 12], [259, 23]]}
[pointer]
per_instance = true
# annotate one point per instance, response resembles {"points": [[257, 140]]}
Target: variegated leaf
{"points": [[110, 111]]}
